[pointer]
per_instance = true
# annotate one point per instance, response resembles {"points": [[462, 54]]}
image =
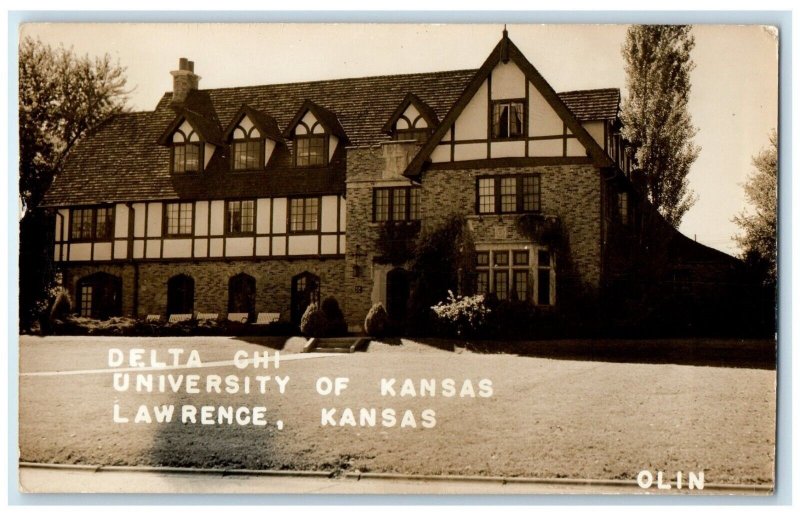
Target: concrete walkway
{"points": [[43, 479]]}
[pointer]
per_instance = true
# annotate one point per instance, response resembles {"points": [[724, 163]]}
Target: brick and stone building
{"points": [[264, 198]]}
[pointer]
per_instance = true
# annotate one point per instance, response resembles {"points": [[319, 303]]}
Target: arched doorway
{"points": [[242, 294], [305, 290], [180, 294], [99, 296], [398, 287]]}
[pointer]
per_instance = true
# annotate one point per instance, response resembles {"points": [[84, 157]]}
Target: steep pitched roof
{"points": [[122, 160], [601, 104], [327, 118], [506, 51], [263, 122], [425, 110]]}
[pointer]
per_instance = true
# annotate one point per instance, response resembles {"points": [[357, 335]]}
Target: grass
{"points": [[547, 418]]}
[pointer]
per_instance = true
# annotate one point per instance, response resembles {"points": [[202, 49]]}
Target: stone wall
{"points": [[273, 282]]}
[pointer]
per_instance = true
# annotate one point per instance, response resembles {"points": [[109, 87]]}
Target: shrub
{"points": [[62, 306], [376, 320], [313, 323], [463, 316], [336, 323]]}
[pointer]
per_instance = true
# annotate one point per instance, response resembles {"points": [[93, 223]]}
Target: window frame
{"points": [[523, 135], [260, 143], [519, 194], [93, 235], [185, 143], [165, 220], [240, 202], [507, 262], [311, 136], [409, 205], [290, 209]]}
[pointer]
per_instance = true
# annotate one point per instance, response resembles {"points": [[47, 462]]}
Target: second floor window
{"points": [[178, 218], [395, 204], [509, 194], [186, 153], [240, 217], [310, 150], [304, 215], [508, 119], [92, 223]]}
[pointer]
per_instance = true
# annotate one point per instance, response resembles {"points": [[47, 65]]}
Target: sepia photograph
{"points": [[496, 258]]}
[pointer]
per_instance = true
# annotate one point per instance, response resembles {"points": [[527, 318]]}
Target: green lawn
{"points": [[547, 418]]}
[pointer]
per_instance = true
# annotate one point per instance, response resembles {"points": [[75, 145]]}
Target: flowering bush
{"points": [[462, 316]]}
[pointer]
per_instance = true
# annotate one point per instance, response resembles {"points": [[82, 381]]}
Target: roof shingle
{"points": [[122, 161]]}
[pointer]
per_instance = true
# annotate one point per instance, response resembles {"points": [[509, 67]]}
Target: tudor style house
{"points": [[265, 198]]}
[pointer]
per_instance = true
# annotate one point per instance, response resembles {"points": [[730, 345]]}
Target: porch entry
{"points": [[305, 290]]}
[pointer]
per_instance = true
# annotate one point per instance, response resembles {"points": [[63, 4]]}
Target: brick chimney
{"points": [[184, 80]]}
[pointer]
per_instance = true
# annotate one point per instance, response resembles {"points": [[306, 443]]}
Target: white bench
{"points": [[153, 318], [206, 317], [176, 318], [240, 317], [268, 318]]}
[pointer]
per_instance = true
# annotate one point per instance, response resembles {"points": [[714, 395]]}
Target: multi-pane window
{"points": [[185, 158], [486, 201], [240, 217], [506, 273], [420, 135], [178, 218], [86, 300], [304, 214], [246, 154], [310, 150], [509, 194], [508, 119], [395, 204], [92, 223]]}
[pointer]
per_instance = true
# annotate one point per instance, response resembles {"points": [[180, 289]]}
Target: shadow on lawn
{"points": [[750, 354]]}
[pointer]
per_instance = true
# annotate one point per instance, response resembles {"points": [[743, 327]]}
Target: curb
{"points": [[356, 476]]}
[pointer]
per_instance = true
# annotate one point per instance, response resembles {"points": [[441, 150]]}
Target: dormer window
{"points": [[247, 149], [186, 153], [310, 150], [317, 134], [412, 120]]}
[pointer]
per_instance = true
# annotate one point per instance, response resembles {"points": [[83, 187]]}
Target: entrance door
{"points": [[242, 294], [100, 296], [397, 291], [305, 290], [180, 295]]}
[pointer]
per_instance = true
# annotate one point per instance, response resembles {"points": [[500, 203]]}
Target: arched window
{"points": [[311, 145], [416, 129], [180, 295], [187, 152], [305, 290], [242, 294], [248, 148], [99, 296]]}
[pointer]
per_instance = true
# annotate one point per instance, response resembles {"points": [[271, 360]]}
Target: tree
{"points": [[759, 240], [657, 123], [62, 97]]}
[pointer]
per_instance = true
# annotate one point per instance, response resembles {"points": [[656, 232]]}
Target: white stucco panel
{"points": [[329, 212], [177, 248], [472, 123], [121, 221], [542, 118], [597, 131], [467, 151], [546, 148], [508, 81], [154, 219], [102, 251], [441, 154], [217, 217], [303, 244], [279, 215], [201, 218]]}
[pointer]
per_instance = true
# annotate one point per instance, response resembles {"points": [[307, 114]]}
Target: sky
{"points": [[733, 102]]}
